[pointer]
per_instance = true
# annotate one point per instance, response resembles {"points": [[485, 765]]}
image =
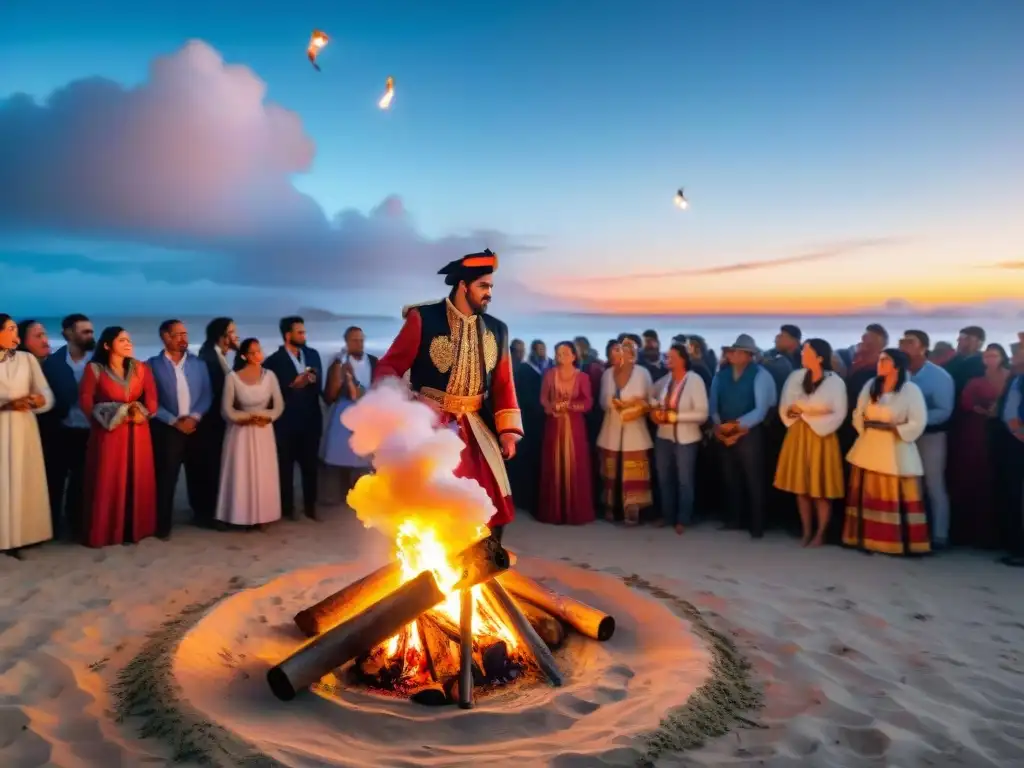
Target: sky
{"points": [[836, 156]]}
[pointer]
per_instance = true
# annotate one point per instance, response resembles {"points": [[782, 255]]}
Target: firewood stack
{"points": [[391, 636]]}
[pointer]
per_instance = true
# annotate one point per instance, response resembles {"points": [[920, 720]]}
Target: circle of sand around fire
{"points": [[663, 683]]}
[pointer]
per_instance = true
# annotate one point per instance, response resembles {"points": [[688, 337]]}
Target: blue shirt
{"points": [[766, 397], [939, 392], [1014, 402]]}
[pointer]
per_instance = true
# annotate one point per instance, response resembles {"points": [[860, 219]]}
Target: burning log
{"points": [[339, 645], [390, 675], [583, 618], [446, 625], [440, 654], [495, 661], [514, 618], [550, 629], [466, 649], [432, 695], [349, 601], [479, 562]]}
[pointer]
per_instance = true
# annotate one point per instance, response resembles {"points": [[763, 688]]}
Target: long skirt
{"points": [[250, 493], [625, 479], [809, 464], [566, 488], [885, 513]]}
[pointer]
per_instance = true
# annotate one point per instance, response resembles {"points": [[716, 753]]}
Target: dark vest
{"points": [[436, 355], [736, 396]]}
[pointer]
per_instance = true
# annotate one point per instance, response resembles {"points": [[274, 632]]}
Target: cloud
{"points": [[1008, 265], [833, 252], [196, 159]]}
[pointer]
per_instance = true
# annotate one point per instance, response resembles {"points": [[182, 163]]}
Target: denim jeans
{"points": [[932, 448], [675, 464]]}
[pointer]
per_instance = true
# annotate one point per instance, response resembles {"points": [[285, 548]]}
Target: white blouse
{"points": [[824, 410], [615, 434], [882, 451], [691, 408]]}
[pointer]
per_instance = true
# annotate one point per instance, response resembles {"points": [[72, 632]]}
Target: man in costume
{"points": [[458, 362]]}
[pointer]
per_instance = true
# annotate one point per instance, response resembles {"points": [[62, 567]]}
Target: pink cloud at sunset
{"points": [[196, 158]]}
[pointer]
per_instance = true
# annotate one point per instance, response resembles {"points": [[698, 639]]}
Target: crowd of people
{"points": [[921, 446], [93, 440]]}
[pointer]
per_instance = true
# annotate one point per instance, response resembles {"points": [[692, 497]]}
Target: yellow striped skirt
{"points": [[809, 464]]}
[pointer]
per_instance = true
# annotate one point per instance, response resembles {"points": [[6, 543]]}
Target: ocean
{"points": [[326, 334]]}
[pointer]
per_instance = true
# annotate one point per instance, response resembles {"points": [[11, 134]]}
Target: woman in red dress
{"points": [[566, 478], [118, 395], [971, 468]]}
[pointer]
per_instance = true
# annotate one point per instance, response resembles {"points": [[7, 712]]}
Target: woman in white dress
{"points": [[624, 443], [249, 493], [24, 498]]}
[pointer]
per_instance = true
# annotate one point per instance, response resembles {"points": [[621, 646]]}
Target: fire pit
{"points": [[433, 628]]}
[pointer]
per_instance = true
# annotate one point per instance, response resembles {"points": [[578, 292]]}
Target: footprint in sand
{"points": [[570, 702], [620, 670], [866, 742], [98, 752], [604, 694], [12, 723], [27, 750], [78, 728]]}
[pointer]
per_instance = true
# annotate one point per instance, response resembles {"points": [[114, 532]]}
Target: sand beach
{"points": [[853, 660]]}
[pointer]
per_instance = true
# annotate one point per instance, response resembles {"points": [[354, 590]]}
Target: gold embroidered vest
{"points": [[457, 353]]}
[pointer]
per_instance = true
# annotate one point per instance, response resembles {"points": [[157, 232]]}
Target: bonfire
{"points": [[449, 613]]}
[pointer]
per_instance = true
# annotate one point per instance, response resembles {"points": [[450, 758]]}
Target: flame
{"points": [[681, 202], [414, 498], [419, 548], [389, 94], [318, 40]]}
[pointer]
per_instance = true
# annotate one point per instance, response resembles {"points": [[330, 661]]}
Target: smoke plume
{"points": [[414, 463]]}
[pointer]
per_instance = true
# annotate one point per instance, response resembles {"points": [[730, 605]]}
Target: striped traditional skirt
{"points": [[630, 471], [885, 513], [809, 464]]}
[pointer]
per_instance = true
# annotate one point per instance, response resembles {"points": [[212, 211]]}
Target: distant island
{"points": [[318, 315]]}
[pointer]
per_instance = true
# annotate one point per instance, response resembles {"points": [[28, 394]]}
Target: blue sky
{"points": [[568, 126]]}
